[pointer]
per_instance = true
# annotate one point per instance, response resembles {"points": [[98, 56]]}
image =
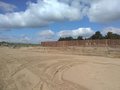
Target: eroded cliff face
{"points": [[84, 43], [89, 51]]}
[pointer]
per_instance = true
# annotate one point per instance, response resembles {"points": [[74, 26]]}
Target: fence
{"points": [[86, 43]]}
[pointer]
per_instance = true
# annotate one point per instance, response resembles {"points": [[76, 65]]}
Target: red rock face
{"points": [[100, 43]]}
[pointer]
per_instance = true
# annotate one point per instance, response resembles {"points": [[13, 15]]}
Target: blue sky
{"points": [[33, 21]]}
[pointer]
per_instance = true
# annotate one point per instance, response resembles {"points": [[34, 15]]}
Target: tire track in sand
{"points": [[50, 77]]}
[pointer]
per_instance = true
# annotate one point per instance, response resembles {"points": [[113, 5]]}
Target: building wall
{"points": [[100, 43]]}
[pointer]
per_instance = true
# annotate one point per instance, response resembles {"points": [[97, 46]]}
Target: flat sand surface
{"points": [[32, 69]]}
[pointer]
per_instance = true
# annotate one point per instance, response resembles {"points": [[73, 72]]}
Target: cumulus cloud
{"points": [[47, 34], [14, 38], [104, 11], [23, 39], [45, 12], [65, 33], [111, 29], [7, 7], [39, 14], [85, 32]]}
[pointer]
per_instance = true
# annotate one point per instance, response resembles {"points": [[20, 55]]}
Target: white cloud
{"points": [[39, 14], [104, 11], [45, 12], [85, 32], [24, 39], [65, 33], [111, 29], [7, 7], [47, 34], [16, 38]]}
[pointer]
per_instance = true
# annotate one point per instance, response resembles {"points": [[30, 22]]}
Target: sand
{"points": [[39, 69]]}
